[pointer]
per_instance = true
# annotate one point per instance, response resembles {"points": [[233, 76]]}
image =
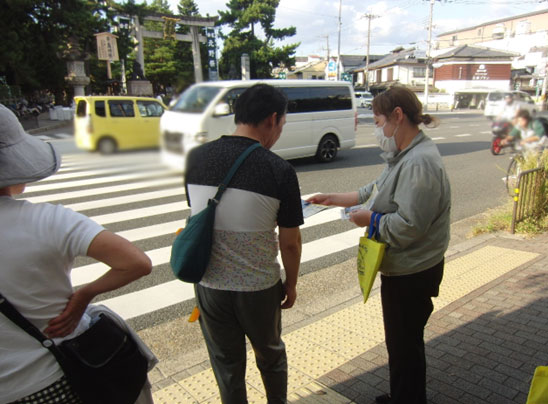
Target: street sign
{"points": [[346, 77], [282, 75], [107, 48]]}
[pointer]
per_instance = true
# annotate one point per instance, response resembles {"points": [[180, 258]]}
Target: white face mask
{"points": [[387, 144]]}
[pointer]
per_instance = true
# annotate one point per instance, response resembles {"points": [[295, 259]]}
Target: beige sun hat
{"points": [[23, 158]]}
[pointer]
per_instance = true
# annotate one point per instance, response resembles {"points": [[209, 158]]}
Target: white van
{"points": [[495, 103], [321, 118]]}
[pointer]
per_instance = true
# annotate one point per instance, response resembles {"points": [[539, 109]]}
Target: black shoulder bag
{"points": [[103, 364]]}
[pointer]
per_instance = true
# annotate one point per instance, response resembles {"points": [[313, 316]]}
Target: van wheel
{"points": [[107, 146], [327, 149]]}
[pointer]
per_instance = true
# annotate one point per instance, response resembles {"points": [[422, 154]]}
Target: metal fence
{"points": [[530, 195]]}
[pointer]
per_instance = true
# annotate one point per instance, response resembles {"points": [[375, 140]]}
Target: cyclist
{"points": [[531, 132]]}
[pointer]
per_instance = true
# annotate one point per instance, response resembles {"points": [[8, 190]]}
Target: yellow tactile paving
{"points": [[173, 394], [332, 341], [314, 393]]}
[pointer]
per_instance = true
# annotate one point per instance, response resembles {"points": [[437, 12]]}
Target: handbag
{"points": [[102, 365], [538, 393], [370, 255], [191, 249]]}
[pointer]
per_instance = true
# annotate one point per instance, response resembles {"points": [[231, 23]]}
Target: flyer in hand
{"points": [[310, 209]]}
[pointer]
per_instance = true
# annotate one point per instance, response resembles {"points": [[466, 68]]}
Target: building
{"points": [[401, 66], [470, 72], [510, 27], [524, 34], [359, 72], [314, 70]]}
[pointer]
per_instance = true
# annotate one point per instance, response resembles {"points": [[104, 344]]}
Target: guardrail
{"points": [[528, 198]]}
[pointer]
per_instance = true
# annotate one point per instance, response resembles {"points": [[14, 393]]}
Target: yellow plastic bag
{"points": [[538, 393], [370, 255]]}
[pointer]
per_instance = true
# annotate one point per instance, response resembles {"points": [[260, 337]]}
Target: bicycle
{"points": [[517, 160]]}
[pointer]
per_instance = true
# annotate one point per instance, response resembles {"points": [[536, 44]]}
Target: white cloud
{"points": [[400, 22]]}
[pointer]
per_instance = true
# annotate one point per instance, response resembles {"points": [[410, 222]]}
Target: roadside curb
{"points": [[45, 128]]}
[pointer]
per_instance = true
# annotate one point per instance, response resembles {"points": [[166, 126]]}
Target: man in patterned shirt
{"points": [[241, 293]]}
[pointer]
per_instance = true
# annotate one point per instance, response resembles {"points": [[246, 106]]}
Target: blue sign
{"points": [[332, 66]]}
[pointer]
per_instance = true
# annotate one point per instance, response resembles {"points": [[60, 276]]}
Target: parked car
{"points": [[111, 123], [364, 99], [321, 118], [495, 102]]}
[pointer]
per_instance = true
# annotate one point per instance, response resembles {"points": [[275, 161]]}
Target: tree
{"points": [[244, 17], [35, 36]]}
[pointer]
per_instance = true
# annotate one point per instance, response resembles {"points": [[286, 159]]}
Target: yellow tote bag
{"points": [[538, 394], [370, 254]]}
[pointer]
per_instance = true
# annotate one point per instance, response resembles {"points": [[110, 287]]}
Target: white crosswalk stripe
{"points": [[101, 172]]}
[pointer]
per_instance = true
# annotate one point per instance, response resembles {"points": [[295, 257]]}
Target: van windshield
{"points": [[497, 96], [195, 99]]}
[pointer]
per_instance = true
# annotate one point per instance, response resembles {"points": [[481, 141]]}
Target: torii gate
{"points": [[194, 37]]}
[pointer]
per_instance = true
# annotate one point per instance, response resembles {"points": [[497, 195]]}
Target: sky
{"points": [[397, 23]]}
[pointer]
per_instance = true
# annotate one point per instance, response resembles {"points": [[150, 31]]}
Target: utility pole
{"points": [[428, 49], [327, 38], [339, 45], [369, 16]]}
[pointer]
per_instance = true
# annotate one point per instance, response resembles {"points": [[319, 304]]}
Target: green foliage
{"points": [[243, 17], [35, 35]]}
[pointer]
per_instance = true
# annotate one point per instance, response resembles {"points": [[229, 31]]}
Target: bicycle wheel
{"points": [[512, 174]]}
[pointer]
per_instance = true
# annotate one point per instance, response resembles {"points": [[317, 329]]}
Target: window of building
{"points": [[390, 74], [419, 72]]}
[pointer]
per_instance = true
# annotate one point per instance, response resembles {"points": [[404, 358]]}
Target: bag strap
{"points": [[233, 170], [13, 314], [374, 225]]}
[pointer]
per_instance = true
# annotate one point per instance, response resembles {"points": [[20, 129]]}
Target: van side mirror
{"points": [[222, 109]]}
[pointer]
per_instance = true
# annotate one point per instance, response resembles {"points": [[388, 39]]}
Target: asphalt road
{"points": [[463, 140]]}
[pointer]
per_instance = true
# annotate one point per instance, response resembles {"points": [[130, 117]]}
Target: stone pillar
{"points": [[195, 33], [77, 76]]}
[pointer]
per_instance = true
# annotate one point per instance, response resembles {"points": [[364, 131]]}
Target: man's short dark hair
{"points": [[257, 103]]}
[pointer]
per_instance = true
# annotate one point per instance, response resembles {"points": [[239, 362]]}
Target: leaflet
{"points": [[310, 209], [345, 212]]}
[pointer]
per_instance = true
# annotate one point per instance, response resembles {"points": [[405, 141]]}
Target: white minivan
{"points": [[495, 103], [321, 118]]}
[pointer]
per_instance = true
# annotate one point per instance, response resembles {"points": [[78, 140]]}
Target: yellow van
{"points": [[111, 123]]}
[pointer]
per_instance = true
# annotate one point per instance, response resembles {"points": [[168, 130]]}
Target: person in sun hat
{"points": [[38, 245]]}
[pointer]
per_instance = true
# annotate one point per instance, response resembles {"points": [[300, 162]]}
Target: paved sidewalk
{"points": [[43, 124], [488, 332]]}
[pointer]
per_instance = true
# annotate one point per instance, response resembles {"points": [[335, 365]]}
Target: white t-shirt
{"points": [[38, 244]]}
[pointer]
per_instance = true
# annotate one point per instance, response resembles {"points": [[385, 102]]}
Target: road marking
{"points": [[104, 190], [463, 135], [122, 200], [169, 293], [485, 131], [97, 171], [365, 146], [438, 138], [95, 181], [147, 212]]}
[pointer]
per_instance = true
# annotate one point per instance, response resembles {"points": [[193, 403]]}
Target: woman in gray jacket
{"points": [[414, 196]]}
